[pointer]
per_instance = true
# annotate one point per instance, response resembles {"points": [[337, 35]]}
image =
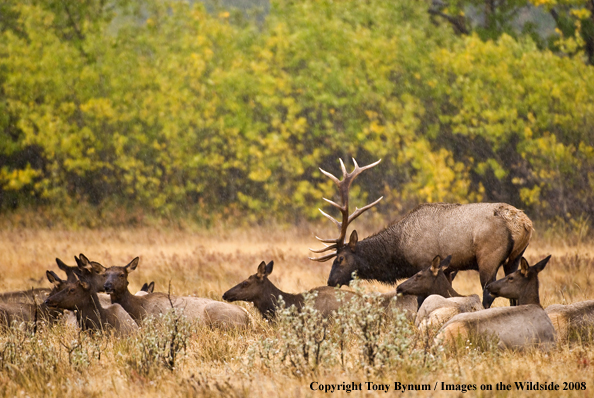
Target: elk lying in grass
{"points": [[406, 304], [31, 310], [206, 310], [37, 295], [480, 236], [147, 288], [19, 313], [30, 296], [81, 297], [442, 302], [514, 327], [572, 319], [258, 289]]}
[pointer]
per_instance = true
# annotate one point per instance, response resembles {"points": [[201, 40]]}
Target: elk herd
{"points": [[429, 246]]}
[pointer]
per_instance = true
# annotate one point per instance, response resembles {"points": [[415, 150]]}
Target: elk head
{"points": [[347, 260], [253, 288], [92, 271], [521, 285], [116, 278], [70, 296], [431, 280]]}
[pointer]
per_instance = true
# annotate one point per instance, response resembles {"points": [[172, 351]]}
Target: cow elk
{"points": [[442, 301], [80, 297], [523, 326], [258, 289], [208, 311], [479, 236]]}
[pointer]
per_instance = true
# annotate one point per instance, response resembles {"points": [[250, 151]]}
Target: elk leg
{"points": [[489, 260], [509, 267], [487, 298]]}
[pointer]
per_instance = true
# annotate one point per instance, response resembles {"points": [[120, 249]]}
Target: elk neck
{"points": [[131, 303], [530, 294], [266, 303], [443, 287], [89, 313], [380, 258]]}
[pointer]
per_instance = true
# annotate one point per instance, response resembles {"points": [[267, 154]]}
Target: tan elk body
{"points": [[209, 311], [572, 318], [526, 325], [442, 302], [479, 236]]}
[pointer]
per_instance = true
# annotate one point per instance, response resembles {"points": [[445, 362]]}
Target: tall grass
{"points": [[173, 357]]}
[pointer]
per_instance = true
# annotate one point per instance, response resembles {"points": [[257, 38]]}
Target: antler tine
{"points": [[325, 249], [323, 258], [330, 176], [360, 211], [327, 240], [333, 204], [366, 167], [328, 216], [343, 168]]}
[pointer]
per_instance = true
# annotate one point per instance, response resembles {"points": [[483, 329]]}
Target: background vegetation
{"points": [[116, 106]]}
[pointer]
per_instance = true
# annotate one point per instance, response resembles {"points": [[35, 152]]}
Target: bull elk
{"points": [[526, 325], [479, 236]]}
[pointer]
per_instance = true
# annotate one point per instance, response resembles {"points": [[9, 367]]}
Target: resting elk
{"points": [[139, 307], [572, 320], [37, 295], [479, 236], [442, 301], [526, 325], [80, 296], [258, 289]]}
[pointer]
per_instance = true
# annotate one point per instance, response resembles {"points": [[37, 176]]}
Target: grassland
{"points": [[58, 361]]}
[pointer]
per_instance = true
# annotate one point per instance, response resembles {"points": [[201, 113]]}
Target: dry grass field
{"points": [[58, 361]]}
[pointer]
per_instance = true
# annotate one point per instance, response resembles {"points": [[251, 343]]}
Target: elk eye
{"points": [[71, 290], [340, 259], [243, 284], [510, 279]]}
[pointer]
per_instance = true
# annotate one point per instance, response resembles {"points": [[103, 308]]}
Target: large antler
{"points": [[343, 189]]}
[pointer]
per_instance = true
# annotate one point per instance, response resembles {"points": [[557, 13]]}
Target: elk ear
{"points": [[98, 268], [83, 284], [435, 265], [151, 287], [446, 261], [541, 264], [261, 270], [84, 258], [353, 240], [269, 268], [53, 278], [132, 266], [524, 266], [61, 265]]}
